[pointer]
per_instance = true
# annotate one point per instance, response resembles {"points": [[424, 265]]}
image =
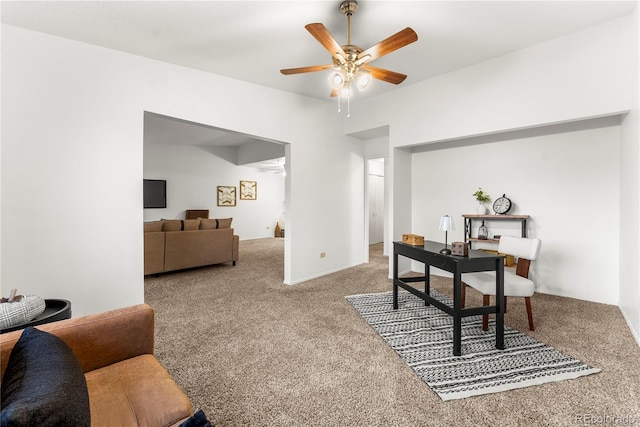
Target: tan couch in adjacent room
{"points": [[176, 244]]}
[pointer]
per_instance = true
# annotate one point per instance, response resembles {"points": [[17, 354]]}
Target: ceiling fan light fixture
{"points": [[363, 78], [337, 79]]}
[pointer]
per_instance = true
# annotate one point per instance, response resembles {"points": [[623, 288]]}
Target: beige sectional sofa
{"points": [[176, 244]]}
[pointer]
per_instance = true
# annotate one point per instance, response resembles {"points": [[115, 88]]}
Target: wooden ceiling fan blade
{"points": [[310, 69], [390, 44], [385, 75], [320, 32]]}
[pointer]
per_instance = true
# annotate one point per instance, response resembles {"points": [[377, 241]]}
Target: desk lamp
{"points": [[446, 224]]}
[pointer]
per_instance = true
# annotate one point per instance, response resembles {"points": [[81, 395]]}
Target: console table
{"points": [[430, 255], [469, 218]]}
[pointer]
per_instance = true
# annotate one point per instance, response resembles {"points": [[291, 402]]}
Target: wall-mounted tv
{"points": [[155, 193]]}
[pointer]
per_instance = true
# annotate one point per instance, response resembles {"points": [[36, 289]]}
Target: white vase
{"points": [[481, 209]]}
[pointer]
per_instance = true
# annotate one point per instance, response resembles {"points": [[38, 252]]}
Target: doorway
{"points": [[376, 200], [194, 158]]}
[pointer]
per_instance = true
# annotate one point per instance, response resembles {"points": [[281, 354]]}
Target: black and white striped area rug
{"points": [[422, 336]]}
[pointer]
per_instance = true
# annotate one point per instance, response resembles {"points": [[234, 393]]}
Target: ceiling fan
{"points": [[351, 62]]}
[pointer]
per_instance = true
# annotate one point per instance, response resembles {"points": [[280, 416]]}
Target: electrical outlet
{"points": [[323, 254]]}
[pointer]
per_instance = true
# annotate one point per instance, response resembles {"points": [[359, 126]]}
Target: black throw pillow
{"points": [[43, 384], [199, 419]]}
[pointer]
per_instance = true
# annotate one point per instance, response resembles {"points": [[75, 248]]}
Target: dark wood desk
{"points": [[430, 255]]}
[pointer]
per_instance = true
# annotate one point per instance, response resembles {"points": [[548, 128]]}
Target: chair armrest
{"points": [[101, 339]]}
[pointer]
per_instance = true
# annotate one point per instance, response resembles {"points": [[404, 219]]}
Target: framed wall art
{"points": [[248, 190], [226, 195]]}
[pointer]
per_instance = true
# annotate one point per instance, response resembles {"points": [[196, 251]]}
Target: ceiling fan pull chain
{"points": [[339, 109]]}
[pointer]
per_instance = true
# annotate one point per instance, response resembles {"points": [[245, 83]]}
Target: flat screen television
{"points": [[154, 193]]}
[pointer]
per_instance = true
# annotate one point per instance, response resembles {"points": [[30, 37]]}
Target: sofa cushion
{"points": [[224, 222], [171, 225], [152, 226], [43, 384], [208, 224], [191, 224], [136, 389]]}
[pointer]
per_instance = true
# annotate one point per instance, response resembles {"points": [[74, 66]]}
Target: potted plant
{"points": [[482, 198]]}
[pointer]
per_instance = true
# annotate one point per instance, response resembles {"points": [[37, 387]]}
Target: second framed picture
{"points": [[226, 195], [248, 190]]}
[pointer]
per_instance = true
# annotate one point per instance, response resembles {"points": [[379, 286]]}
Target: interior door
{"points": [[376, 209]]}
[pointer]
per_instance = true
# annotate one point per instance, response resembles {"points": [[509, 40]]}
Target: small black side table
{"points": [[55, 309]]}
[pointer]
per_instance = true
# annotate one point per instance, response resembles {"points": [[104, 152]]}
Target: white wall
{"points": [[193, 174], [581, 75], [400, 214], [569, 185], [71, 173], [72, 166], [378, 148], [329, 179], [630, 201], [585, 75]]}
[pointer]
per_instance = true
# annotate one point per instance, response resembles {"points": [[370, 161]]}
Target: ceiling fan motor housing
{"points": [[350, 66], [348, 7]]}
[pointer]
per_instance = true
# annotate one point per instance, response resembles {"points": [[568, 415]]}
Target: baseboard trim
{"points": [[633, 331], [324, 273]]}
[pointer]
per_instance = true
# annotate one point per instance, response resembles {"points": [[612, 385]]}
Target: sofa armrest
{"points": [[98, 340], [153, 252], [236, 248]]}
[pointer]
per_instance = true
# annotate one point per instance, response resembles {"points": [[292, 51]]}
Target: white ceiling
{"points": [[160, 129], [253, 40]]}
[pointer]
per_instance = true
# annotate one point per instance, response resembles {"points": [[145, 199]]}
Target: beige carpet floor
{"points": [[251, 351]]}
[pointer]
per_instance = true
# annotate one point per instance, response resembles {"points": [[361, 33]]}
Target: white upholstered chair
{"points": [[516, 283]]}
